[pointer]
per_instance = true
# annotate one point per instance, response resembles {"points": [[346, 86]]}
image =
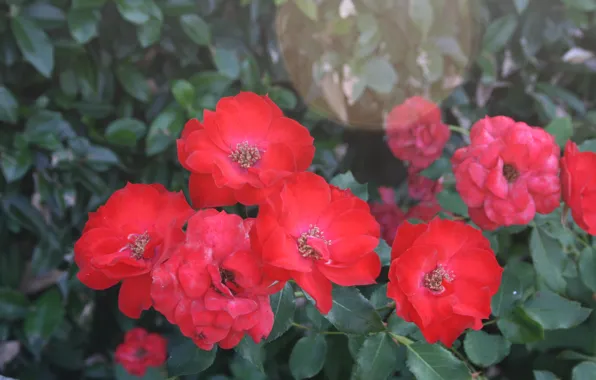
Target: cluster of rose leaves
{"points": [[211, 273]]}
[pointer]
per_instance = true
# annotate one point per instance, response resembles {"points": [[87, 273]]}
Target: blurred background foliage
{"points": [[93, 93]]}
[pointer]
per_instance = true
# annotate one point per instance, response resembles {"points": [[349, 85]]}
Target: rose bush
{"points": [[189, 192]]}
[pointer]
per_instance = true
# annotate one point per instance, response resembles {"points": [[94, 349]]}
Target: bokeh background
{"points": [[93, 93]]}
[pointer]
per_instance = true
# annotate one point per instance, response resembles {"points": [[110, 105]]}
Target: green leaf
{"points": [[584, 371], [484, 349], [433, 362], [544, 375], [561, 128], [347, 181], [45, 317], [283, 97], [587, 268], [309, 8], [384, 252], [379, 74], [196, 29], [548, 257], [352, 313], [437, 169], [88, 3], [135, 11], [9, 106], [184, 93], [512, 287], [251, 351], [422, 15], [133, 82], [100, 155], [13, 305], [308, 356], [499, 32], [451, 201], [125, 132], [16, 164], [398, 326], [227, 62], [164, 130], [282, 304], [187, 359], [83, 24], [149, 33], [520, 328], [378, 357], [555, 312], [35, 45]]}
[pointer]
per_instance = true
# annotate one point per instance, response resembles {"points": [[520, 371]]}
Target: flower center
{"points": [[433, 281], [226, 275], [140, 353], [245, 155], [306, 250], [510, 173], [137, 247]]}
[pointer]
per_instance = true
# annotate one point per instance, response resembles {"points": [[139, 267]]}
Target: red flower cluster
{"points": [[213, 280], [416, 133], [508, 173], [579, 186], [141, 350], [442, 277], [241, 151], [316, 234], [124, 240], [213, 286]]}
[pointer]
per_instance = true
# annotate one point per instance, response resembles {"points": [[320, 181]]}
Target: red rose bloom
{"points": [[124, 239], [579, 186], [508, 173], [387, 213], [141, 350], [317, 234], [241, 150], [422, 188], [416, 133], [213, 286], [442, 277]]}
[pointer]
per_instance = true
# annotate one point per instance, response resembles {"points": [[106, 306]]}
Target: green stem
{"points": [[459, 130], [401, 339], [463, 359], [488, 323], [298, 294], [388, 306]]}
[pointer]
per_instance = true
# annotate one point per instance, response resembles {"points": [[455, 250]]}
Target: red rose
{"points": [[213, 286], [416, 133], [141, 350], [124, 239], [387, 213], [424, 211], [317, 234], [508, 173], [241, 150], [422, 188], [579, 186], [442, 277]]}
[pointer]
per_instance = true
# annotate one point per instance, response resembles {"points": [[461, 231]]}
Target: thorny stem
{"points": [[460, 130]]}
